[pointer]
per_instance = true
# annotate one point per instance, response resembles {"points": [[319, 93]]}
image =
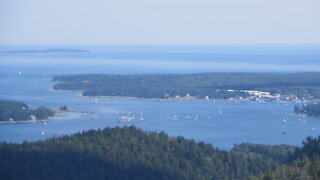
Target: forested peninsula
{"points": [[238, 86], [15, 111], [310, 109]]}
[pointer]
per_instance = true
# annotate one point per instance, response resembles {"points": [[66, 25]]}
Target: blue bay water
{"points": [[239, 122]]}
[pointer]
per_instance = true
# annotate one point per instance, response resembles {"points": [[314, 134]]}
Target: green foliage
{"points": [[43, 113], [17, 111], [303, 164], [13, 110], [214, 85], [309, 109], [126, 153], [63, 108], [277, 153]]}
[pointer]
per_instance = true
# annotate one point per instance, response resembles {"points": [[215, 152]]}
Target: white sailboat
{"points": [[220, 111], [141, 117], [196, 117], [285, 120], [95, 100]]}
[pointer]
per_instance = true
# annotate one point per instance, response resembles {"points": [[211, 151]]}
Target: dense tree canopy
{"points": [[130, 153], [277, 153], [17, 111], [303, 164], [213, 85], [309, 109]]}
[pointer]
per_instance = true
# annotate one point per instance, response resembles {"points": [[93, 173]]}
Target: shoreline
{"points": [[305, 115], [143, 98], [29, 121], [130, 97], [176, 98], [67, 111], [56, 111]]}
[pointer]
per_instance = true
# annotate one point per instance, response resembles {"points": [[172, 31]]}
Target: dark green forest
{"points": [[303, 164], [213, 85], [309, 109], [130, 153], [19, 111]]}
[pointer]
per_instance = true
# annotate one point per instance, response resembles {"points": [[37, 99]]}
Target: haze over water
{"points": [[166, 59]]}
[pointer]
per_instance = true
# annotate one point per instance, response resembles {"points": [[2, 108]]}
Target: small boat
{"points": [[175, 117], [95, 100], [44, 123], [42, 133], [196, 117], [283, 132], [141, 117], [122, 121], [220, 110], [20, 73]]}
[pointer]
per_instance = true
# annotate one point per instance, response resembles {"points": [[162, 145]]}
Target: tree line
{"points": [[303, 164], [213, 85], [310, 109], [130, 153], [18, 111]]}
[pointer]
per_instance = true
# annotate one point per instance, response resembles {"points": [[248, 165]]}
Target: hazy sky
{"points": [[159, 22]]}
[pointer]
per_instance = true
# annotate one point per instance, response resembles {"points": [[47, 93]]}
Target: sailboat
{"points": [[42, 133], [285, 120], [141, 118], [220, 111], [196, 117], [95, 100]]}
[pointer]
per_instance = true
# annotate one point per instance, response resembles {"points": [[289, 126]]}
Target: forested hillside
{"points": [[18, 111], [130, 153], [304, 164], [213, 85], [309, 109]]}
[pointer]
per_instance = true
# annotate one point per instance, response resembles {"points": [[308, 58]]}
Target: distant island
{"points": [[232, 86], [309, 109], [15, 111], [51, 51]]}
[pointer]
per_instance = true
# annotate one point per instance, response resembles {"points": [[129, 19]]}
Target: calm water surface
{"points": [[198, 119]]}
